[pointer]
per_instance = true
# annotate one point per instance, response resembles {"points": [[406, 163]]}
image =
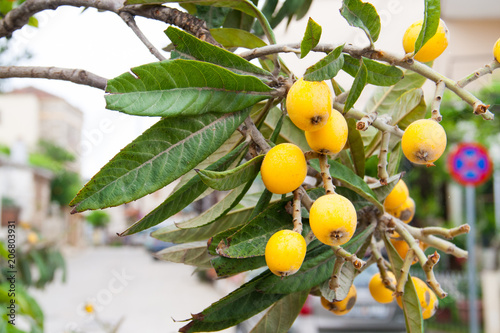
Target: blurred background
{"points": [[79, 276]]}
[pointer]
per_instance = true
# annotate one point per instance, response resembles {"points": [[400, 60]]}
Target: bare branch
{"points": [[366, 121], [297, 217], [337, 268], [487, 69], [342, 253], [436, 102], [378, 123], [325, 174], [382, 158], [130, 21], [78, 76]]}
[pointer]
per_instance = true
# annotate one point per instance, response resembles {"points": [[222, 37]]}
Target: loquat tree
{"points": [[227, 116]]}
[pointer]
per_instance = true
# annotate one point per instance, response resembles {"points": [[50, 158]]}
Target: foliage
{"points": [[4, 150], [98, 219], [63, 187]]}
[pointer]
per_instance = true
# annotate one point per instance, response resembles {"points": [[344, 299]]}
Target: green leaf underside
{"points": [[326, 68], [378, 74], [317, 268], [356, 147], [181, 198], [357, 87], [280, 317], [219, 209], [411, 304], [395, 159], [236, 307], [225, 267], [418, 112], [346, 278], [183, 87], [432, 13], [362, 15], [289, 132], [231, 37], [190, 46], [405, 104], [311, 37], [227, 180], [174, 234], [194, 254], [163, 153]]}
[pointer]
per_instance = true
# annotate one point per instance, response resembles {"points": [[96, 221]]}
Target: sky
{"points": [[101, 43]]}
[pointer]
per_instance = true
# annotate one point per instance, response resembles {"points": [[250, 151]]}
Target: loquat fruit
{"points": [[397, 196], [402, 247], [434, 46], [379, 291], [32, 237], [342, 307], [427, 298], [285, 252], [404, 212], [284, 168], [331, 138], [333, 219], [496, 50], [424, 141], [309, 104]]}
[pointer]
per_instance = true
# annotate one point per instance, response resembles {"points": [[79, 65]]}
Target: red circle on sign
{"points": [[470, 164]]}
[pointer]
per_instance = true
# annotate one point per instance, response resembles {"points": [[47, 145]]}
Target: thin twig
{"points": [[310, 155], [487, 69], [333, 284], [405, 270], [447, 233], [256, 135], [325, 174], [341, 252], [366, 121], [79, 76], [436, 102], [382, 158], [130, 21], [297, 216], [381, 264], [378, 123]]}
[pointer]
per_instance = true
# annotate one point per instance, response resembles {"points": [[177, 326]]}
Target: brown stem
{"points": [[297, 217], [130, 21], [381, 265], [356, 262], [325, 174], [436, 102], [337, 268], [382, 158], [405, 270], [366, 121]]}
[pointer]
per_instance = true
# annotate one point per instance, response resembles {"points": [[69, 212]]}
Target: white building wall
{"points": [[19, 119]]}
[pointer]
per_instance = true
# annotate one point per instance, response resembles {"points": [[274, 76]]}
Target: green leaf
{"points": [[32, 21], [432, 12], [227, 180], [418, 112], [378, 74], [362, 15], [411, 304], [326, 68], [311, 37], [251, 239], [225, 267], [356, 147], [316, 268], [194, 254], [181, 198], [357, 87], [231, 37], [405, 104], [191, 47], [346, 278], [218, 210], [236, 307], [213, 16], [280, 317], [163, 153], [395, 159], [289, 132], [183, 87], [382, 191], [304, 8], [263, 202], [174, 234]]}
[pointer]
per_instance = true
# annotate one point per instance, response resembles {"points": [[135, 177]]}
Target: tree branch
{"points": [[78, 76]]}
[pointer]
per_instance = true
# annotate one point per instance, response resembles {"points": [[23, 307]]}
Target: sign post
{"points": [[470, 165]]}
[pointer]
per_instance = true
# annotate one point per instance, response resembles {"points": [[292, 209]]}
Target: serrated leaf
{"points": [[163, 153], [174, 234], [346, 278], [316, 268], [251, 239], [362, 15], [192, 47], [225, 267], [183, 87], [219, 209], [311, 37], [239, 305], [382, 191], [280, 317], [327, 68], [357, 87], [432, 12], [356, 148], [411, 304], [227, 180], [181, 198], [231, 37], [378, 74], [194, 254]]}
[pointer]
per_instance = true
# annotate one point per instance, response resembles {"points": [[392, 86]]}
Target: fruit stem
{"points": [[436, 102], [337, 268], [256, 135], [325, 174], [405, 270], [382, 158], [366, 121], [380, 264], [487, 69], [377, 123], [297, 217], [342, 253], [447, 233]]}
